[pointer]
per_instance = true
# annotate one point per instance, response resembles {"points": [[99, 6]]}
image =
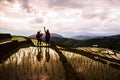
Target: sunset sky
{"points": [[66, 17]]}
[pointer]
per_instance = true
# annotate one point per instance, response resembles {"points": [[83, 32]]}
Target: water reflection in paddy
{"points": [[33, 63]]}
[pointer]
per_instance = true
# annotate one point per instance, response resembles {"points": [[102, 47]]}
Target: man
{"points": [[47, 35]]}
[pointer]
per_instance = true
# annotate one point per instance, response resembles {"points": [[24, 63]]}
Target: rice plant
{"points": [[19, 38], [92, 70], [23, 65]]}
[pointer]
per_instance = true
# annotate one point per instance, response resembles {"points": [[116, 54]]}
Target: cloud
{"points": [[66, 3], [61, 16], [11, 1], [82, 3]]}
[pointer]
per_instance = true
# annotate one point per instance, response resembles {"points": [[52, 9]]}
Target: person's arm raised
{"points": [[44, 29]]}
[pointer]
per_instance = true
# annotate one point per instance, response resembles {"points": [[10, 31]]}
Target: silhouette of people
{"points": [[40, 54], [39, 37], [47, 36]]}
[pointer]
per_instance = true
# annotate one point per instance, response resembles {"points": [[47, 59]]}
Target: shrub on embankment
{"points": [[5, 37]]}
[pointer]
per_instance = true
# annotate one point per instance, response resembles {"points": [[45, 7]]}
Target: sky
{"points": [[65, 17]]}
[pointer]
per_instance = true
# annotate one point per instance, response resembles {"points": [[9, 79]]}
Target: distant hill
{"points": [[83, 37], [111, 42], [114, 36], [51, 35]]}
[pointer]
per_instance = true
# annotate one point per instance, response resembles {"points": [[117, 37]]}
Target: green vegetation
{"points": [[111, 43], [19, 38]]}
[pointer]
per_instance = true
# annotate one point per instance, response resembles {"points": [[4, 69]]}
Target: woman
{"points": [[39, 37]]}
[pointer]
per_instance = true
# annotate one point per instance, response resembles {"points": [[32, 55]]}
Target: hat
{"points": [[39, 31]]}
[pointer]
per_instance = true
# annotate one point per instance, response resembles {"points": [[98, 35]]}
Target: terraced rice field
{"points": [[43, 63], [92, 70]]}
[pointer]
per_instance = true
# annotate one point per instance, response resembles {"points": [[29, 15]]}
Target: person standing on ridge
{"points": [[47, 36], [39, 37]]}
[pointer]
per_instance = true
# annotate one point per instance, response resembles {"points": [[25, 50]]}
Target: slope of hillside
{"points": [[84, 37], [115, 36], [106, 42]]}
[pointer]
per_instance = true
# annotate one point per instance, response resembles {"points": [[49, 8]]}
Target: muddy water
{"points": [[33, 63]]}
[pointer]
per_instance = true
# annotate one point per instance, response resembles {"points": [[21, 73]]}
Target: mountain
{"points": [[111, 42], [51, 35], [83, 37], [114, 36]]}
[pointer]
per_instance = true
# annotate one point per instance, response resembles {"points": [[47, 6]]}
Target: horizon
{"points": [[65, 17], [67, 36]]}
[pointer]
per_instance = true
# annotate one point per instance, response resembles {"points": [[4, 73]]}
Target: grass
{"points": [[19, 38]]}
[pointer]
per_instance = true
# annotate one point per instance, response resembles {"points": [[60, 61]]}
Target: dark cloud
{"points": [[1, 0], [66, 3], [82, 3], [12, 1], [101, 15], [25, 5], [113, 2]]}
